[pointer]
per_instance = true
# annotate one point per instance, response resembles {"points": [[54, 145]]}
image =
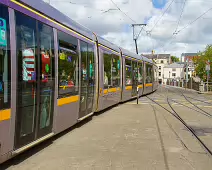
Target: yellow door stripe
{"points": [[148, 85], [118, 89], [105, 91], [128, 87], [140, 86], [67, 100], [5, 114], [110, 90], [43, 16]]}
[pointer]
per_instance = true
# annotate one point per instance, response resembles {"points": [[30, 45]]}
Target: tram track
{"points": [[200, 100], [186, 98], [179, 118], [206, 114]]}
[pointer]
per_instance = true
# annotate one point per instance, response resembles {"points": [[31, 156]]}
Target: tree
{"points": [[200, 62], [175, 59]]}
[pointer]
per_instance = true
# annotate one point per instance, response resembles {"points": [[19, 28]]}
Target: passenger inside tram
{"points": [[105, 79]]}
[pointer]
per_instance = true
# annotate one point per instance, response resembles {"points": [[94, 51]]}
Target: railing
{"points": [[202, 87], [206, 87]]}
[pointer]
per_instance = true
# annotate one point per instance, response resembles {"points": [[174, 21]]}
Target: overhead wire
{"points": [[122, 11], [162, 15], [190, 23], [180, 15], [195, 20]]}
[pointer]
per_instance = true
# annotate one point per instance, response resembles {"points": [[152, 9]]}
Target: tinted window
{"points": [[128, 72], [46, 52], [149, 74], [134, 72], [5, 70], [67, 65], [140, 73], [116, 71], [107, 69], [91, 65], [27, 57]]}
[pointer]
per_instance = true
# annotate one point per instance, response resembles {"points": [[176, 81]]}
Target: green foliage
{"points": [[200, 63], [175, 59]]}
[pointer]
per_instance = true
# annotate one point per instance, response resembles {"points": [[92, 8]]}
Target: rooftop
{"points": [[189, 54], [156, 56], [175, 65]]}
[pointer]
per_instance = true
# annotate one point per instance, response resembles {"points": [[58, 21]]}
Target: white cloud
{"points": [[111, 24]]}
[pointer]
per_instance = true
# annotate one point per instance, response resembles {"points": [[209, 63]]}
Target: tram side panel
{"points": [[148, 78], [5, 89], [109, 78], [140, 77], [155, 84], [127, 79]]}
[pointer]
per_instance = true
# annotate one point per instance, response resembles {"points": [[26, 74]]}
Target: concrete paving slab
{"points": [[129, 136]]}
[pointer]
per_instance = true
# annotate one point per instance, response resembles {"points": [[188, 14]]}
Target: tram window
{"points": [[128, 71], [88, 63], [5, 78], [91, 65], [140, 73], [107, 69], [68, 73], [46, 52], [134, 71], [116, 71], [148, 73]]}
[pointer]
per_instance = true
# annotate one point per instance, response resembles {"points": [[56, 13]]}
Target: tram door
{"points": [[134, 78], [35, 86], [87, 79]]}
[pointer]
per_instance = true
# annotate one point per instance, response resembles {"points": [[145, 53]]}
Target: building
{"points": [[173, 72], [161, 60], [187, 58]]}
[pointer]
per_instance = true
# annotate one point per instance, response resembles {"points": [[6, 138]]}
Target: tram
{"points": [[55, 72]]}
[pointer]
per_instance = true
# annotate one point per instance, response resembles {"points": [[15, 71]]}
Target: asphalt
{"points": [[129, 136]]}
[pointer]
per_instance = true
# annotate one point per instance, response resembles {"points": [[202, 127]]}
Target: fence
{"points": [[191, 84]]}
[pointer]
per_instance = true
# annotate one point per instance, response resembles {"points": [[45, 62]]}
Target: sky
{"points": [[163, 18]]}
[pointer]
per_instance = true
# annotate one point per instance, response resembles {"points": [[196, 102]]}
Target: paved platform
{"points": [[129, 136]]}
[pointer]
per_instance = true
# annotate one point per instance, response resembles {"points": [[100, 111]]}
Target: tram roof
{"points": [[130, 54], [107, 43], [147, 60], [55, 14]]}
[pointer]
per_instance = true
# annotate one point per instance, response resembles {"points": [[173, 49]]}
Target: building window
{"points": [[173, 74], [159, 73], [161, 61], [174, 69], [68, 65], [159, 67], [5, 73]]}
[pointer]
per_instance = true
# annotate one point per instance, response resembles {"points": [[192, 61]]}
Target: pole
{"points": [[186, 73], [207, 80], [136, 46], [191, 78], [137, 94], [135, 37], [169, 77]]}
